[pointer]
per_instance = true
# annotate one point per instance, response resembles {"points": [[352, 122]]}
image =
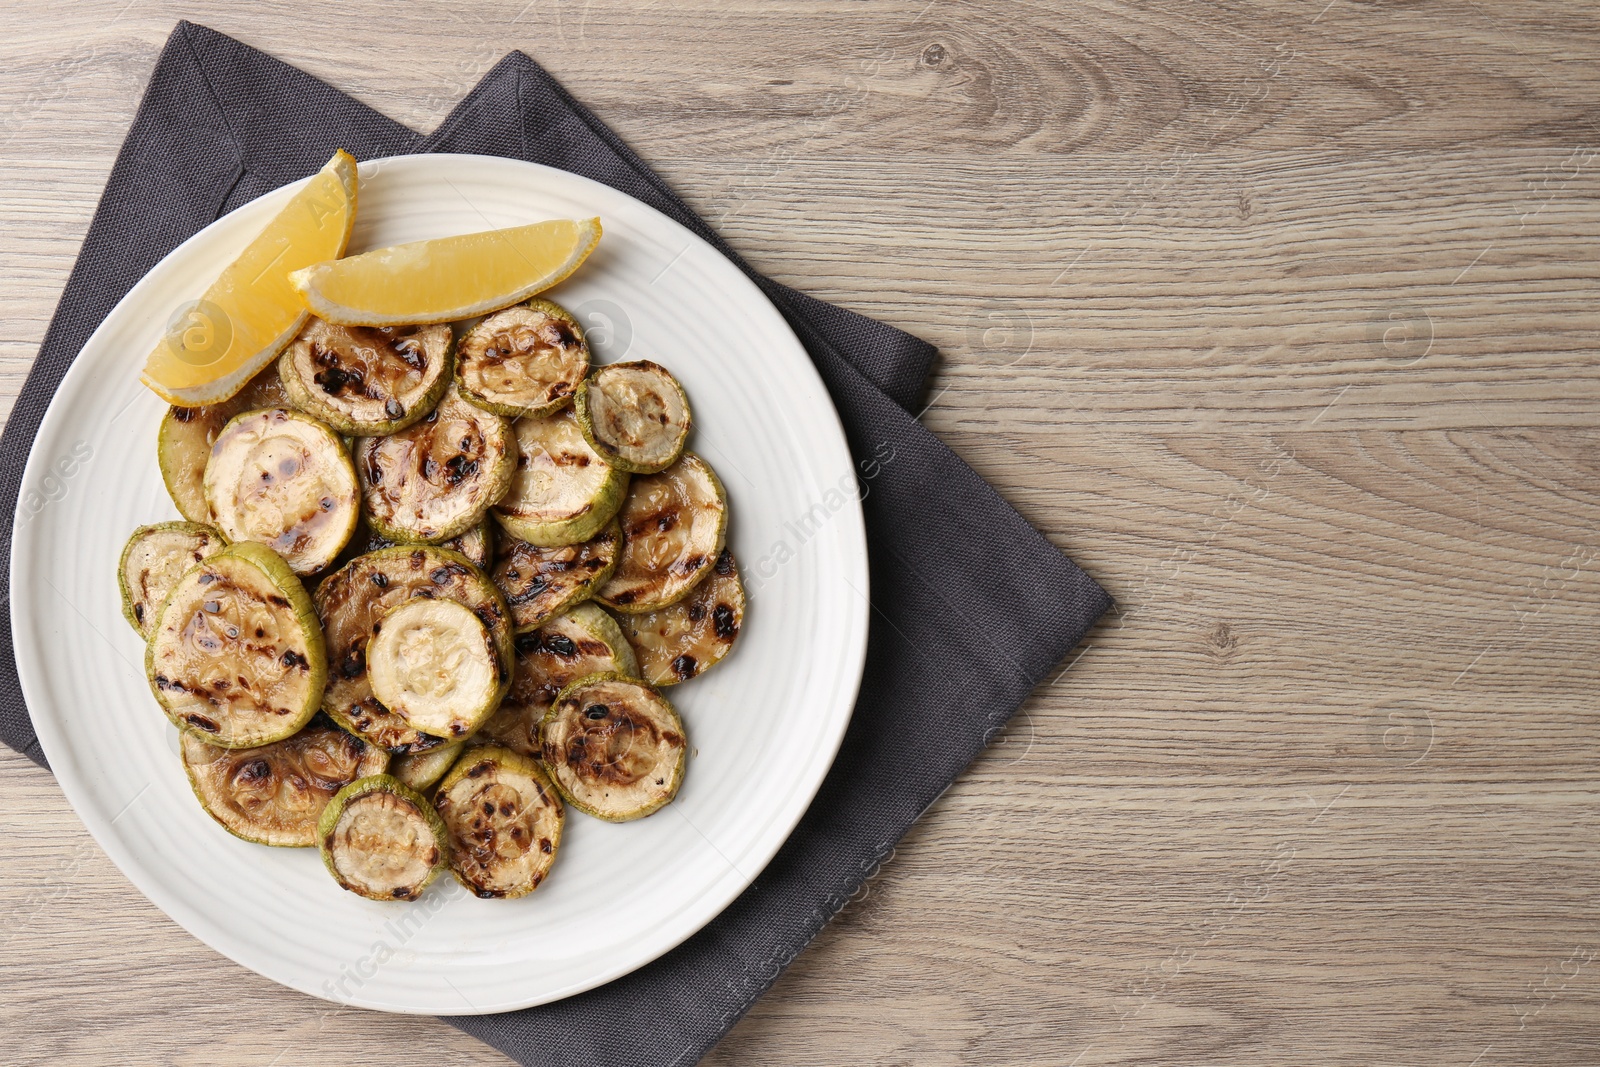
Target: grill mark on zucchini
{"points": [[210, 672], [540, 583], [634, 414], [365, 380], [437, 479], [334, 379], [674, 525], [614, 747], [503, 821], [602, 751], [563, 492], [525, 360], [273, 794]]}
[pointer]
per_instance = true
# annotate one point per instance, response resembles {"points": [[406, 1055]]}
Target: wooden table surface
{"points": [[1278, 317]]}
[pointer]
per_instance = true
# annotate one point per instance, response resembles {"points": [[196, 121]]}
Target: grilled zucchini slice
{"points": [[352, 602], [635, 414], [437, 479], [525, 360], [153, 560], [434, 663], [673, 528], [237, 657], [685, 640], [283, 479], [381, 839], [614, 747], [367, 380], [582, 642], [273, 794], [540, 583], [563, 492], [184, 444], [420, 770], [503, 819]]}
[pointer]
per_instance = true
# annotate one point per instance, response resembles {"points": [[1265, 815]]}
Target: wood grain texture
{"points": [[1279, 317]]}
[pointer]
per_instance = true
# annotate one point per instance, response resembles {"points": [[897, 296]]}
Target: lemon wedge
{"points": [[214, 346], [447, 278]]}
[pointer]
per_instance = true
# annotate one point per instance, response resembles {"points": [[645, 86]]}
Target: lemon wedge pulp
{"points": [[447, 278], [214, 346]]}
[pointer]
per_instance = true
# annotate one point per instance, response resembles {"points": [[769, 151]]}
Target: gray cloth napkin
{"points": [[971, 606]]}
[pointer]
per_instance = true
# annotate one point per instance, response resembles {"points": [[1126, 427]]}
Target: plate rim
{"points": [[52, 740]]}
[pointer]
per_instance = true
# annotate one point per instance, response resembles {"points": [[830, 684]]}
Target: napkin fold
{"points": [[971, 606]]}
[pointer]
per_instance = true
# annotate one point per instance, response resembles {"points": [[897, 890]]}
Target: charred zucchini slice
{"points": [[273, 794], [283, 479], [635, 414], [673, 527], [153, 560], [582, 642], [525, 360], [381, 839], [184, 444], [540, 583], [437, 479], [420, 770], [434, 663], [615, 747], [563, 492], [503, 819], [683, 641], [237, 657], [352, 602], [367, 380]]}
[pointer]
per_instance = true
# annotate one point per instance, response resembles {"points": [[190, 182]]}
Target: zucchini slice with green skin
{"points": [[582, 642], [352, 602], [503, 819], [634, 414], [614, 747], [285, 480], [434, 663], [674, 525], [381, 839], [437, 479], [183, 446], [153, 560], [525, 360], [685, 640], [420, 770], [274, 794], [563, 492], [541, 583], [237, 657], [367, 380]]}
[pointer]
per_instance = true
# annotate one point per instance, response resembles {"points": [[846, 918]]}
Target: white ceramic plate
{"points": [[764, 725]]}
